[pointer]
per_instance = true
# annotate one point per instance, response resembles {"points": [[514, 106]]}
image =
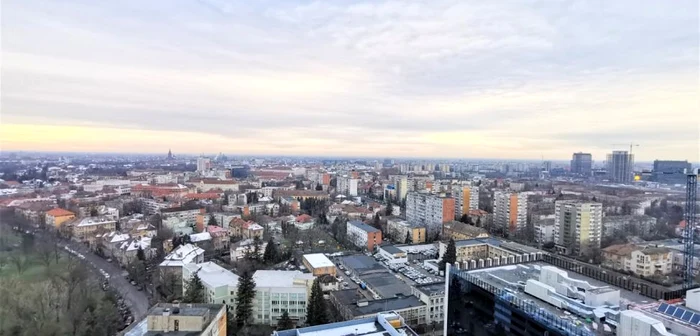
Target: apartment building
{"points": [[578, 226], [188, 215], [203, 164], [175, 261], [220, 284], [192, 319], [510, 210], [57, 216], [429, 210], [637, 225], [466, 199], [347, 185], [279, 291], [400, 183], [87, 228], [433, 295], [460, 231], [642, 261], [399, 229], [363, 235]]}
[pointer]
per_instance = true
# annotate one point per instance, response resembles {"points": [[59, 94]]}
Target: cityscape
{"points": [[354, 168]]}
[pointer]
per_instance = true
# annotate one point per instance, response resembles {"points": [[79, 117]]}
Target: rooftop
{"points": [[391, 249], [432, 288], [362, 264], [267, 278], [318, 260], [213, 274], [58, 212], [207, 311], [379, 325], [363, 226], [98, 220], [183, 254], [349, 298]]}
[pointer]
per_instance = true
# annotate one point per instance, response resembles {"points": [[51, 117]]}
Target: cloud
{"points": [[440, 78]]}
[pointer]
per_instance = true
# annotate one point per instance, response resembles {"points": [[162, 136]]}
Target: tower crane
{"points": [[630, 144], [690, 224]]}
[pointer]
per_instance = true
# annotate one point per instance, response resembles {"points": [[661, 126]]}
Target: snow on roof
{"points": [[144, 243], [318, 260], [197, 237], [267, 278], [213, 274], [183, 254], [255, 226], [119, 238]]}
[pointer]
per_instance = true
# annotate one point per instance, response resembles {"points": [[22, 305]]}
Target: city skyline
{"points": [[446, 79]]}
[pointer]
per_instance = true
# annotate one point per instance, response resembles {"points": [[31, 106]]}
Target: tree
{"points": [[270, 255], [465, 219], [194, 290], [389, 208], [299, 185], [20, 262], [93, 212], [212, 221], [285, 323], [244, 299], [408, 238], [140, 254], [319, 187], [450, 255], [376, 222], [316, 312]]}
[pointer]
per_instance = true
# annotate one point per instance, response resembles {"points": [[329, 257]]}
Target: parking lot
{"points": [[413, 273]]}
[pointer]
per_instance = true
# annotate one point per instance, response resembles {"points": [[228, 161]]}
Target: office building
{"points": [[466, 199], [387, 323], [363, 235], [670, 172], [534, 298], [177, 319], [510, 210], [578, 226], [429, 210], [279, 291], [220, 284], [620, 166], [203, 164], [582, 164]]}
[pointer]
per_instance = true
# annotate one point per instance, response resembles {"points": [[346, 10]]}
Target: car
{"points": [[109, 260], [133, 283]]}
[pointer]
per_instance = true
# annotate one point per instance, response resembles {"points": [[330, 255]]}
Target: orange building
{"points": [[56, 217]]}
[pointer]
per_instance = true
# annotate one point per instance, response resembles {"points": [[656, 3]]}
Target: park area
{"points": [[46, 291]]}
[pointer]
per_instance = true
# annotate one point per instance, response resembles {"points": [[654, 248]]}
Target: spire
{"points": [[170, 154]]}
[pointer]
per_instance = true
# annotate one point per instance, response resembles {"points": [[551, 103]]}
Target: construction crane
{"points": [[630, 144], [690, 224]]}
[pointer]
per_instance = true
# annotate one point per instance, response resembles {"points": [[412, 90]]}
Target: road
{"points": [[136, 300]]}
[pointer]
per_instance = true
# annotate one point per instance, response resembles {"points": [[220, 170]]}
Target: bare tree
{"points": [[20, 262], [73, 279], [3, 261], [45, 253]]}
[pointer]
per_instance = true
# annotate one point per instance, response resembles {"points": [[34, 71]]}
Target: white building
{"points": [[635, 323], [544, 228], [510, 210], [466, 199], [219, 283], [347, 185], [203, 164], [177, 259], [578, 226], [400, 185], [279, 291], [188, 215]]}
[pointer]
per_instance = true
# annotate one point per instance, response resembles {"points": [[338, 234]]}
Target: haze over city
{"points": [[520, 80]]}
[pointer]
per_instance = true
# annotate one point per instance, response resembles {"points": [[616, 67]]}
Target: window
{"points": [[177, 325]]}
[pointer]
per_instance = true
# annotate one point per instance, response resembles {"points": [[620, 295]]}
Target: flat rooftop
{"points": [[386, 284], [362, 327], [318, 260], [432, 288], [362, 264]]}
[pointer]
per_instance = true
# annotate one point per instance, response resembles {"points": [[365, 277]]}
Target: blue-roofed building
{"points": [[363, 235], [384, 324]]}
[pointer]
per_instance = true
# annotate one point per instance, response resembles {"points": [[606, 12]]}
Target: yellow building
{"points": [[56, 217], [461, 231], [87, 228]]}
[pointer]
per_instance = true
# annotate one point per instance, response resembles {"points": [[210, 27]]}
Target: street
{"points": [[136, 300]]}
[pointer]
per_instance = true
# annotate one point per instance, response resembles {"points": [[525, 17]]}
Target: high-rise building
{"points": [[466, 199], [510, 210], [347, 185], [401, 185], [429, 210], [578, 226], [203, 164], [582, 163], [670, 172], [620, 166]]}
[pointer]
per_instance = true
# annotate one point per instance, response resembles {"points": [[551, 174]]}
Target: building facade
{"points": [[429, 210], [642, 261], [399, 229], [363, 235], [670, 172], [280, 291], [620, 166], [466, 199], [510, 210], [582, 164], [578, 226]]}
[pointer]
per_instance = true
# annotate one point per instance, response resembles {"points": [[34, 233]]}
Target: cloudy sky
{"points": [[456, 78]]}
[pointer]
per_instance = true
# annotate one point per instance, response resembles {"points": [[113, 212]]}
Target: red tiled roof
{"points": [[58, 212], [303, 218], [201, 196]]}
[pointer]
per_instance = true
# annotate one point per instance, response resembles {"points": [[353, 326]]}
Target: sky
{"points": [[455, 78]]}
